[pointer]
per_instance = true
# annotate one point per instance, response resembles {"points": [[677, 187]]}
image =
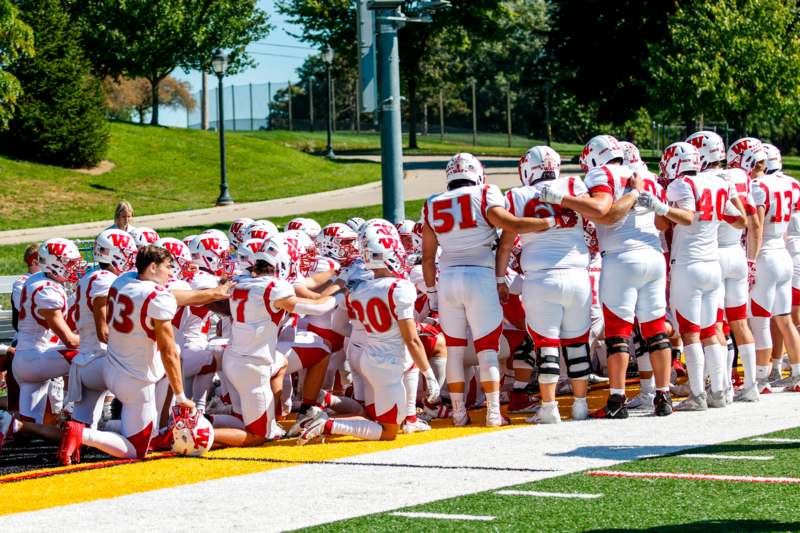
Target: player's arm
{"points": [[99, 314], [735, 213], [165, 339], [683, 217], [621, 207], [204, 296], [317, 281], [408, 329], [756, 237], [501, 263], [56, 322], [306, 306], [324, 289], [500, 217]]}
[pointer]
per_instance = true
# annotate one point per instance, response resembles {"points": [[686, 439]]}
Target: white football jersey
{"points": [[561, 246], [38, 292], [133, 304], [637, 229], [324, 264], [793, 231], [255, 321], [459, 219], [377, 305], [739, 181], [776, 195], [93, 284], [16, 290], [708, 196], [194, 321]]}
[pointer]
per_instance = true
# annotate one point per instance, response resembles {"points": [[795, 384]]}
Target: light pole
{"points": [[220, 64], [327, 57]]}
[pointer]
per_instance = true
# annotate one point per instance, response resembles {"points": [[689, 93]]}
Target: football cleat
{"points": [[763, 387], [693, 403], [747, 394], [522, 402], [496, 420], [6, 428], [564, 388], [297, 427], [793, 385], [546, 415], [716, 399], [782, 382], [615, 408], [662, 404], [580, 409], [312, 428], [679, 367], [276, 432], [681, 391], [416, 426], [438, 410], [644, 400], [775, 376], [460, 419], [69, 452]]}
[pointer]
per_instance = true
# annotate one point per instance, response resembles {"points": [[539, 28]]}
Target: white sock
{"points": [[457, 400], [109, 442], [226, 421], [716, 357], [620, 392], [762, 372], [747, 354], [355, 427], [693, 353], [647, 385], [411, 382], [554, 404], [439, 365], [729, 365], [493, 402]]}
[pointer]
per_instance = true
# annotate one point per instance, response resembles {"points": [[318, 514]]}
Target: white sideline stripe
{"points": [[443, 516], [578, 495], [775, 439], [697, 477], [727, 457], [560, 449]]}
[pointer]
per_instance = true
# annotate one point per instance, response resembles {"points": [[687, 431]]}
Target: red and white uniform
{"points": [[772, 291], [793, 241], [86, 384], [133, 363], [193, 323], [252, 357], [633, 278], [467, 286], [16, 290], [556, 290], [39, 357], [377, 305], [732, 257], [695, 270]]}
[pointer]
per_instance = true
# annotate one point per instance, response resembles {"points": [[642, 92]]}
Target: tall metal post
{"points": [[474, 116], [508, 112], [204, 103], [311, 101], [391, 134], [269, 105], [291, 126], [233, 106], [329, 149], [224, 195], [441, 115], [358, 109], [252, 123]]}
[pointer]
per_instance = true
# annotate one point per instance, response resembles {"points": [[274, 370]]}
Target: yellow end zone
{"points": [[113, 479]]}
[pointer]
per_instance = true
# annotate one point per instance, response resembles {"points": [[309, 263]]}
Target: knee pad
{"points": [[761, 333], [549, 367], [617, 345], [489, 365], [524, 357], [578, 364], [643, 362], [659, 342]]}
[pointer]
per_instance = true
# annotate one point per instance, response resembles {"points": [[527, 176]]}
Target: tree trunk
{"points": [[154, 99], [413, 112]]}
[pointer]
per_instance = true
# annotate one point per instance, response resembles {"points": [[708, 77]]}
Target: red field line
{"points": [[695, 477]]}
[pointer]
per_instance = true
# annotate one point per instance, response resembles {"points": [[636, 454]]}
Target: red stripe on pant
{"points": [[616, 326], [258, 426], [141, 440], [543, 342], [490, 341], [685, 325]]}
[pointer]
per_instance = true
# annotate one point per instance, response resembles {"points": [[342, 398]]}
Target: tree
{"points": [[60, 118], [142, 38], [125, 95], [734, 60], [16, 42]]}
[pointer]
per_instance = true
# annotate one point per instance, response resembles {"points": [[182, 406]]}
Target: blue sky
{"points": [[278, 66]]}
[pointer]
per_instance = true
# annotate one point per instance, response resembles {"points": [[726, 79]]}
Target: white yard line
{"points": [[694, 477], [727, 457], [443, 516], [538, 494], [776, 440], [312, 494]]}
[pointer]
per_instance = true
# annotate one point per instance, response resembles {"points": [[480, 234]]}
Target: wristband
{"points": [[430, 290], [180, 397], [500, 279]]}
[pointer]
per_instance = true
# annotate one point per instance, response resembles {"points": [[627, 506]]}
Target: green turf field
{"points": [[167, 169], [640, 505]]}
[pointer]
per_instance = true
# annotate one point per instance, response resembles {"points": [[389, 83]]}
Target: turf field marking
{"points": [[444, 516], [727, 457], [699, 477], [60, 471], [775, 439], [578, 495]]}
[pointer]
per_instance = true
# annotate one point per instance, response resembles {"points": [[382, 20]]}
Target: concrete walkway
{"points": [[424, 176]]}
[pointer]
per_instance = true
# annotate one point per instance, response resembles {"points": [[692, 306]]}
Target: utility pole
{"points": [[391, 134]]}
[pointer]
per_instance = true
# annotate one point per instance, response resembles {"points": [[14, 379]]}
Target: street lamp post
{"points": [[327, 57], [220, 64]]}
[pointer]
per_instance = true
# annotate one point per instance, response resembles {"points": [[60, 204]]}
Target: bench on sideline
{"points": [[6, 331]]}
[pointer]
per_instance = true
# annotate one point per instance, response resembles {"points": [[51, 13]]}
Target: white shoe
{"points": [[763, 387], [438, 410], [6, 427], [546, 415], [643, 401], [312, 428], [716, 399], [682, 391], [580, 409], [3, 348], [497, 419], [276, 432], [747, 394], [729, 395], [415, 427], [693, 403], [297, 427], [460, 418]]}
